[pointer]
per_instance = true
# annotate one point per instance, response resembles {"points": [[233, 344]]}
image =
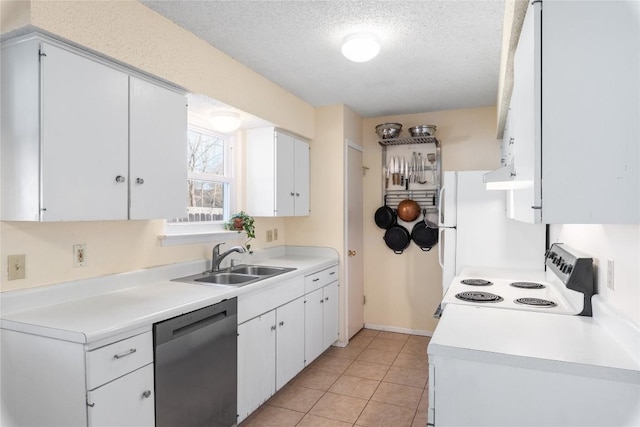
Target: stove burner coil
{"points": [[476, 282], [527, 285], [479, 297], [535, 302]]}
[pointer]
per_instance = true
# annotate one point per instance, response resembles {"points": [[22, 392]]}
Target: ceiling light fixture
{"points": [[360, 47], [225, 121]]}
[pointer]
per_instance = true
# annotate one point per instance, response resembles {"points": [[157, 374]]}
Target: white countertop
{"points": [[93, 310], [573, 345]]}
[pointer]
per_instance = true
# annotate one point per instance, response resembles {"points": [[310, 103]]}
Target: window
{"points": [[210, 177]]}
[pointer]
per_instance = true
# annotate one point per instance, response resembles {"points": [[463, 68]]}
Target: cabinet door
{"points": [[127, 401], [285, 177], [330, 315], [525, 121], [290, 341], [313, 335], [301, 179], [256, 362], [157, 151], [84, 140]]}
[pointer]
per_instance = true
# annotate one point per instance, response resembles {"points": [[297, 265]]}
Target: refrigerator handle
{"points": [[441, 247], [440, 198]]}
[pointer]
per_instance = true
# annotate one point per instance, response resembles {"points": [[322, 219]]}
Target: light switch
{"points": [[16, 267]]}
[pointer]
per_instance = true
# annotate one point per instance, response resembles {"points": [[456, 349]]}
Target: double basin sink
{"points": [[240, 275]]}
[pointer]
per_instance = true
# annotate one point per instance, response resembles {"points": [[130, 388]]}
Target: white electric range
{"points": [[564, 361], [565, 288]]}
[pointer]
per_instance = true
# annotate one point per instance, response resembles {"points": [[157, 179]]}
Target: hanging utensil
{"points": [[385, 172], [423, 177], [406, 184], [402, 172], [432, 160]]}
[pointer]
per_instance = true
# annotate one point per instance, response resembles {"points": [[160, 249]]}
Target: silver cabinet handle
{"points": [[326, 299], [292, 194], [124, 354], [139, 181], [321, 301], [273, 328], [281, 323], [332, 273], [146, 394], [297, 194], [120, 178], [91, 405], [315, 280]]}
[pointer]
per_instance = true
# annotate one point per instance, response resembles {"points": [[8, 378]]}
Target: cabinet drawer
{"points": [[256, 303], [112, 361], [321, 278]]}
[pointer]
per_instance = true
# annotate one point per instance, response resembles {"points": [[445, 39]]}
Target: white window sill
{"points": [[184, 234]]}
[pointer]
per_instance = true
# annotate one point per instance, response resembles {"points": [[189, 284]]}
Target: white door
{"points": [[85, 134], [127, 401], [313, 335], [157, 151], [301, 178], [354, 243], [330, 315], [284, 169], [256, 362], [289, 341]]}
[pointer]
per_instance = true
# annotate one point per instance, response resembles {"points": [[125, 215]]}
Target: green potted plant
{"points": [[242, 222]]}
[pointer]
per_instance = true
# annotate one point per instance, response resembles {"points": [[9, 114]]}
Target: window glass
{"points": [[209, 176]]}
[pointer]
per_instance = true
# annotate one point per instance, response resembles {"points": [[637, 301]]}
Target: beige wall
{"points": [[404, 290], [133, 34]]}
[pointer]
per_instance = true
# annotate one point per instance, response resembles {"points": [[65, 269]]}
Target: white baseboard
{"points": [[397, 329]]}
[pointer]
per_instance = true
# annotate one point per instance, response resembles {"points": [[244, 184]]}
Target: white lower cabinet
{"points": [[289, 341], [320, 321], [256, 362], [51, 382], [128, 401], [270, 353], [283, 328]]}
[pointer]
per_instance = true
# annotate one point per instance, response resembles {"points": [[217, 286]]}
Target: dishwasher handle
{"points": [[176, 327]]}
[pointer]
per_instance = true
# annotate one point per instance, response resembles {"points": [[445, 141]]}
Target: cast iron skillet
{"points": [[385, 217], [424, 235], [397, 238]]}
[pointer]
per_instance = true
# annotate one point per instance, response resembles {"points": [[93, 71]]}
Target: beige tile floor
{"points": [[379, 379]]}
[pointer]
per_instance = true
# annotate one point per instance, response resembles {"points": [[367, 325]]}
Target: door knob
{"points": [[352, 253]]}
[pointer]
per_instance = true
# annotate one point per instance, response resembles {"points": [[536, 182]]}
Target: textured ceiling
{"points": [[435, 54]]}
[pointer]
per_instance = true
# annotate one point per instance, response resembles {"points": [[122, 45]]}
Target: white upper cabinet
{"points": [[157, 151], [83, 139], [277, 173], [576, 106]]}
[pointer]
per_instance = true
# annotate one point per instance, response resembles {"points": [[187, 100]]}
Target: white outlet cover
{"points": [[79, 255]]}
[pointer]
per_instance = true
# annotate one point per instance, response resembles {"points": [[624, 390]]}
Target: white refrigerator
{"points": [[475, 230]]}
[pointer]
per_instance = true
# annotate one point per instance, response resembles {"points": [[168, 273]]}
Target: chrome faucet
{"points": [[217, 257]]}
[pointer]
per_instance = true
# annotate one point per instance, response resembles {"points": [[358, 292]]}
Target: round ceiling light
{"points": [[360, 47], [225, 121]]}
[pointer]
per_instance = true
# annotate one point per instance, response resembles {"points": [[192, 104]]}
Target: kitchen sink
{"points": [[259, 270], [227, 278], [240, 275]]}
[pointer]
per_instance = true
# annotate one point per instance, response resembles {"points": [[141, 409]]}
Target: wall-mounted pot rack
{"points": [[427, 198], [408, 140], [425, 194]]}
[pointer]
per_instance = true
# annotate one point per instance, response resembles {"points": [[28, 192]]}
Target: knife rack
{"points": [[425, 194]]}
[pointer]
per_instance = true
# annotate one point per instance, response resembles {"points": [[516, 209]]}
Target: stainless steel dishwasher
{"points": [[195, 357]]}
